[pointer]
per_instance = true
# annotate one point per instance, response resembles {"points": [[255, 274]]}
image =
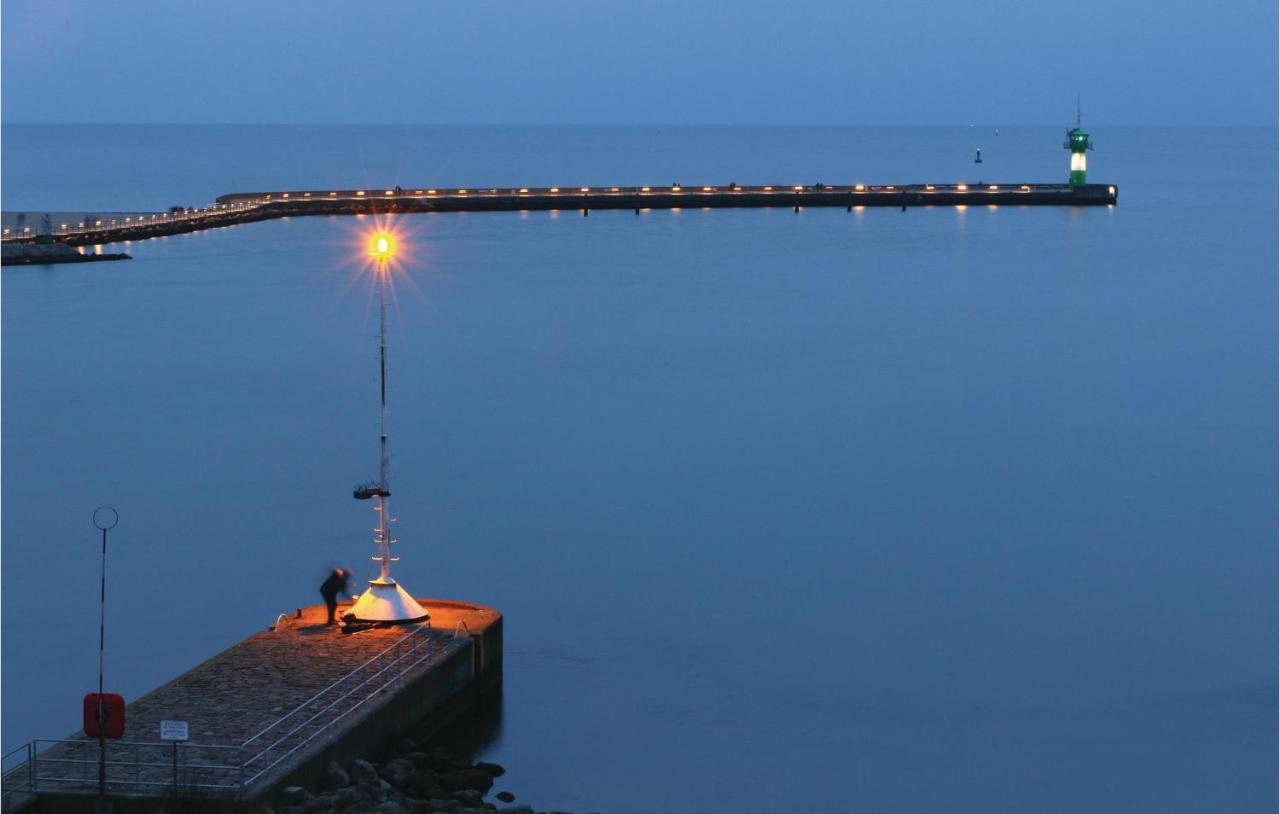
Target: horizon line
{"points": [[758, 125]]}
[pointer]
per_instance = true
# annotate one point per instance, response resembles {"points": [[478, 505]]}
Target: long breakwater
{"points": [[247, 207]]}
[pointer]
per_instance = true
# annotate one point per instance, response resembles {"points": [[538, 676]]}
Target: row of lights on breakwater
{"points": [[1078, 142]]}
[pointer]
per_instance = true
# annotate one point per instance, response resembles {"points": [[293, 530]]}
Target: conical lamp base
{"points": [[387, 602]]}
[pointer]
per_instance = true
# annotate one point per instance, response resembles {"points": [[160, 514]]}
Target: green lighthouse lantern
{"points": [[1078, 143]]}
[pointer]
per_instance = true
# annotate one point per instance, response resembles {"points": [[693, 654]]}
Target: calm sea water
{"points": [[957, 509]]}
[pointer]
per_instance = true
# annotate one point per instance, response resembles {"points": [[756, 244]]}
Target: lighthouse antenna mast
{"points": [[382, 257], [385, 600]]}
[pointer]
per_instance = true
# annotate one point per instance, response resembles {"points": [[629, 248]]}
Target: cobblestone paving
{"points": [[230, 698]]}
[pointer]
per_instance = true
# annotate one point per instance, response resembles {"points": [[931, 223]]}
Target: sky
{"points": [[873, 62]]}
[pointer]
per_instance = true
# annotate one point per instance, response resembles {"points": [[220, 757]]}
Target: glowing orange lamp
{"points": [[382, 246]]}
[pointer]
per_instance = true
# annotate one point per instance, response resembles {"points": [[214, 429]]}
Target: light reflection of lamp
{"points": [[385, 600]]}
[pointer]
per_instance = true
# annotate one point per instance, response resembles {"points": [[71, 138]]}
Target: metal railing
{"points": [[15, 776], [109, 225], [219, 769], [73, 765], [276, 743]]}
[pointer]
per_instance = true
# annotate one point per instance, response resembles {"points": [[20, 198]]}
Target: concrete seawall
{"points": [[675, 197]]}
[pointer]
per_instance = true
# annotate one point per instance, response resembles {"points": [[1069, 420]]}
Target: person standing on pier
{"points": [[333, 586]]}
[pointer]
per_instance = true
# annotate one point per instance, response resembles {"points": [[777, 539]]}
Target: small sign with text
{"points": [[173, 731]]}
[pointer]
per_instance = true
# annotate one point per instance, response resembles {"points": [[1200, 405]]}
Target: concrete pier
{"points": [[247, 207], [271, 711]]}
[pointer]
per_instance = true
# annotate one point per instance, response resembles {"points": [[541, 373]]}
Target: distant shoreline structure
{"points": [[46, 251]]}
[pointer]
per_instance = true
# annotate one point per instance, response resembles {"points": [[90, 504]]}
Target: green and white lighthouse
{"points": [[1078, 143]]}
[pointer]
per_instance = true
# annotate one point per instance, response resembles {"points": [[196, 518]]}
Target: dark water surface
{"points": [[957, 509]]}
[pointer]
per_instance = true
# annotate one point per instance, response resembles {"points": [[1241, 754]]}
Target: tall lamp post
{"points": [[104, 519], [385, 600]]}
